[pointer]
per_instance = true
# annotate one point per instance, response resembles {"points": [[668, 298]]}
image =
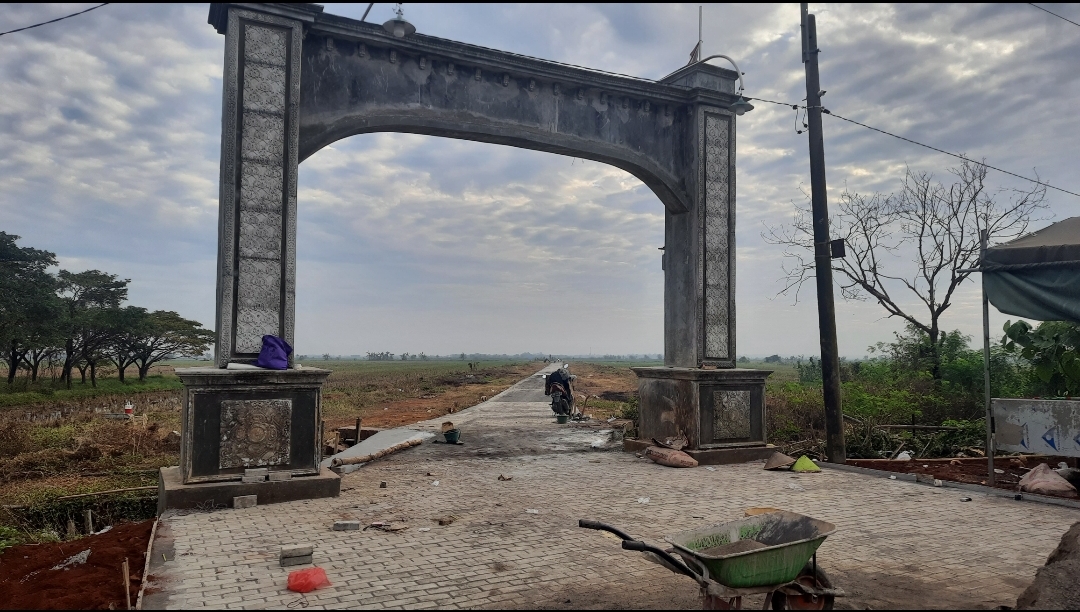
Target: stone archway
{"points": [[297, 79]]}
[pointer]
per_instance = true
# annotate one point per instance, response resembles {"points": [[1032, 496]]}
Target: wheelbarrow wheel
{"points": [[783, 601]]}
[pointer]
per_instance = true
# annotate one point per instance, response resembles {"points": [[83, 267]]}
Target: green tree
{"points": [[85, 295], [1053, 349], [130, 327], [168, 335], [28, 304]]}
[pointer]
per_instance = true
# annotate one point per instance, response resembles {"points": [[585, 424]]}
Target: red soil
{"points": [[28, 582], [972, 470]]}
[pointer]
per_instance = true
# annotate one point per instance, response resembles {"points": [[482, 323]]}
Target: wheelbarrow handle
{"points": [[630, 543], [597, 525], [663, 554]]}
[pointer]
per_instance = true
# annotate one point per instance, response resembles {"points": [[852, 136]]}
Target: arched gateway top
{"points": [[298, 79]]}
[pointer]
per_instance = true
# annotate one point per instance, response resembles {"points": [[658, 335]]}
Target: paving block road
{"points": [[458, 536]]}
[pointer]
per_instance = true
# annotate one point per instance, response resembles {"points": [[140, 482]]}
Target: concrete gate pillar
{"points": [[254, 432]]}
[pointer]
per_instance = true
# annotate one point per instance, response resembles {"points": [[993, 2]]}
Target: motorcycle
{"points": [[558, 385]]}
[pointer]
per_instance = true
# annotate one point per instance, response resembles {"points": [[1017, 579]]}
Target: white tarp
{"points": [[1050, 427]]}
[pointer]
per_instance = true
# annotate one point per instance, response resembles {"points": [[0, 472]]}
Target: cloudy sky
{"points": [[110, 128]]}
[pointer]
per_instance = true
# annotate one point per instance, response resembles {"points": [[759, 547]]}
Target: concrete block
{"points": [[249, 479], [245, 501], [296, 551], [279, 476], [256, 471], [346, 525], [290, 561]]}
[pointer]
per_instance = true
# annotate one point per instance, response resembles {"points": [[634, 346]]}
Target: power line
{"points": [[54, 20], [915, 142], [1054, 14], [949, 153]]}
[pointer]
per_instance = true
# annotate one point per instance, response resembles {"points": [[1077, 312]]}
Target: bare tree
{"points": [[931, 230]]}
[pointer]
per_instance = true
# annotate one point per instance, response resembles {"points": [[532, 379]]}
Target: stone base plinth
{"points": [[173, 493], [712, 409], [234, 420], [714, 456]]}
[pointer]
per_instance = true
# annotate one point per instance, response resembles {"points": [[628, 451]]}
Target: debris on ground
{"points": [[1044, 481], [505, 478], [643, 500], [390, 526], [340, 461], [1054, 587], [779, 461], [77, 559], [295, 555], [1070, 474], [672, 443], [804, 464], [904, 456], [346, 525], [446, 520], [424, 529], [532, 511], [307, 580], [670, 457]]}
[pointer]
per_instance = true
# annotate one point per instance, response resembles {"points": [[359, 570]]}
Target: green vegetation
{"points": [[58, 323], [1053, 349], [898, 387]]}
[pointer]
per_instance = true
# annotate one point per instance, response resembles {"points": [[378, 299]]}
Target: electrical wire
{"points": [[1054, 14], [54, 20], [915, 142], [1037, 182]]}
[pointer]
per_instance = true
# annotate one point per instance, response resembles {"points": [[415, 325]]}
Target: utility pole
{"points": [[830, 360]]}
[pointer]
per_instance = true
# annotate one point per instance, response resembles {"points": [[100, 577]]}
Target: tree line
{"points": [[77, 320]]}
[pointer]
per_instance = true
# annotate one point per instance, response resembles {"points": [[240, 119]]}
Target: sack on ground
{"points": [[670, 457], [1044, 481]]}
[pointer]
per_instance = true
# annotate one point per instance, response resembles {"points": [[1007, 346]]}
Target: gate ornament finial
{"points": [[398, 26]]}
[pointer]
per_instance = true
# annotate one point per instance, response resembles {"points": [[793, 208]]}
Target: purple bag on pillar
{"points": [[274, 354]]}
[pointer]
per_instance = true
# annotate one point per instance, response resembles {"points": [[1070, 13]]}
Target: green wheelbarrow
{"points": [[773, 553]]}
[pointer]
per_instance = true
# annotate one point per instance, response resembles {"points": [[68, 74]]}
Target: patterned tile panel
{"points": [[259, 284], [260, 187], [263, 138], [264, 45], [264, 89], [252, 324], [260, 235], [716, 257]]}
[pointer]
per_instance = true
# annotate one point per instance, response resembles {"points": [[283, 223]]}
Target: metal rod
{"points": [[830, 359], [371, 4], [983, 237]]}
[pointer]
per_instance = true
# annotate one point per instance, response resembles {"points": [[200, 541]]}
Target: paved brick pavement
{"points": [[898, 544]]}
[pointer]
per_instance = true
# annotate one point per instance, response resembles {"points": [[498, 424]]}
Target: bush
{"points": [[14, 437]]}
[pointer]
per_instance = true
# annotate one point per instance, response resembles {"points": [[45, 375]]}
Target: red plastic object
{"points": [[307, 580]]}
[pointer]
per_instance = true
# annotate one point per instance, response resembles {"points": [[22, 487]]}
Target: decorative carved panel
{"points": [[718, 285], [265, 45], [260, 235], [255, 433], [731, 415]]}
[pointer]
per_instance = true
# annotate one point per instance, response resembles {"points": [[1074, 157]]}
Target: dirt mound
{"points": [[1054, 587], [82, 574]]}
